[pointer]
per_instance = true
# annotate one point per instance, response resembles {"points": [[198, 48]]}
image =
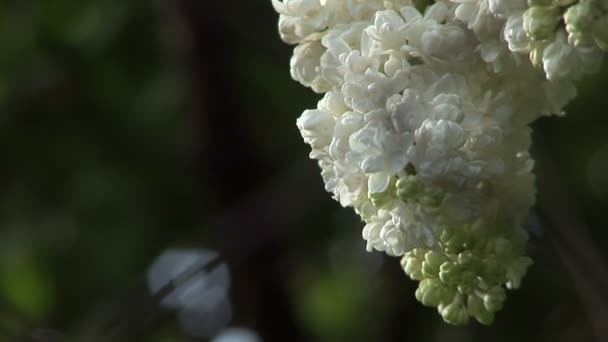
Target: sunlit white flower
{"points": [[380, 153], [423, 128]]}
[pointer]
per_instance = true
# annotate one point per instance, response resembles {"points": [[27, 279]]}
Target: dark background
{"points": [[130, 127]]}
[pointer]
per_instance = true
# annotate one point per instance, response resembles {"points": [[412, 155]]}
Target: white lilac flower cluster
{"points": [[423, 126]]}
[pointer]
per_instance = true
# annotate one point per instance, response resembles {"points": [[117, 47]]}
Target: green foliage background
{"points": [[105, 164]]}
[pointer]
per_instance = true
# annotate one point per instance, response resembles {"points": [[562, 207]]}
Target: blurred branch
{"points": [[139, 314], [573, 243], [247, 223], [267, 212]]}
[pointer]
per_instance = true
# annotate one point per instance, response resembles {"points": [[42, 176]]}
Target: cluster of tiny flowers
{"points": [[464, 277], [566, 38], [423, 128]]}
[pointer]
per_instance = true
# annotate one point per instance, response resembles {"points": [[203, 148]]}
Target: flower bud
{"points": [[468, 283], [515, 35], [435, 259], [450, 273], [430, 269], [581, 40], [430, 292], [409, 187], [540, 22], [465, 258], [579, 18], [536, 54], [453, 242], [476, 309], [381, 199], [455, 312], [412, 267], [493, 301]]}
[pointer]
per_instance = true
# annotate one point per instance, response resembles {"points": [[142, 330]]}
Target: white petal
{"points": [[378, 182]]}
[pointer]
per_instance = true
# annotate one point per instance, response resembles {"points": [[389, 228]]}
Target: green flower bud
{"points": [[468, 283], [536, 53], [578, 39], [409, 187], [432, 262], [419, 253], [412, 267], [494, 299], [579, 18], [447, 294], [430, 292], [405, 259], [465, 258], [540, 22], [381, 199], [435, 259], [477, 310], [453, 241], [466, 278], [450, 273], [455, 312], [430, 270]]}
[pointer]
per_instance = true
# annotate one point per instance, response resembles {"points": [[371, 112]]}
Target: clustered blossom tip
{"points": [[423, 127]]}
